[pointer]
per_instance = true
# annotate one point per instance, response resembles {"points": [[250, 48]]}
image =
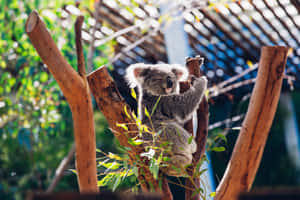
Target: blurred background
{"points": [[36, 131]]}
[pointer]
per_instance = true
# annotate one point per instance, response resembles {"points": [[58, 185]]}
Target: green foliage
{"points": [[215, 138], [115, 169], [35, 120]]}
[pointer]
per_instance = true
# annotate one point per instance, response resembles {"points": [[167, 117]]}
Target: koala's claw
{"points": [[195, 80], [203, 78]]}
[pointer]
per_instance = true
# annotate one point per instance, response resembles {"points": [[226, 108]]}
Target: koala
{"points": [[158, 87]]}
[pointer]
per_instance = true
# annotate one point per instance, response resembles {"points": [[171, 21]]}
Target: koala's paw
{"points": [[200, 83], [193, 79], [203, 79]]}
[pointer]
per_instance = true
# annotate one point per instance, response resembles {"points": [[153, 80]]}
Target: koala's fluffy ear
{"points": [[134, 74], [180, 72]]}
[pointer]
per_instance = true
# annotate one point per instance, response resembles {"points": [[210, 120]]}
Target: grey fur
{"points": [[173, 109]]}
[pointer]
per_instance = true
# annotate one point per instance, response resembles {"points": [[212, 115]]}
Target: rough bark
{"points": [[193, 65], [247, 153], [76, 91], [112, 105]]}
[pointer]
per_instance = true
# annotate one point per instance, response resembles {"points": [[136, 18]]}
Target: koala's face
{"points": [[159, 82], [160, 79]]}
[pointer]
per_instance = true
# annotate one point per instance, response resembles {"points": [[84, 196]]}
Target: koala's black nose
{"points": [[169, 82]]}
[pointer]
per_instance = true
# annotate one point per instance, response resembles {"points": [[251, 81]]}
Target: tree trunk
{"points": [[247, 153], [193, 65], [76, 91]]}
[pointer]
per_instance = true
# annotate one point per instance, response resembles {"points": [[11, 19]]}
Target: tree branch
{"points": [[79, 49], [193, 65], [247, 153], [77, 93], [112, 105], [61, 168], [51, 56]]}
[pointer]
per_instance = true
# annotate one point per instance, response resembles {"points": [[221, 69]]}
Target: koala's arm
{"points": [[181, 106]]}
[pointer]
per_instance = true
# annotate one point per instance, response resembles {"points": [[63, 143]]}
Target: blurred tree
{"points": [[33, 136]]}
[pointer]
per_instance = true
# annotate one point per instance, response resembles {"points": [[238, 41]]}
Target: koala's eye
{"points": [[169, 82]]}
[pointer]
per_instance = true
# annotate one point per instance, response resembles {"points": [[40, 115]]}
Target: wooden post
{"points": [[247, 153], [193, 65], [76, 91]]}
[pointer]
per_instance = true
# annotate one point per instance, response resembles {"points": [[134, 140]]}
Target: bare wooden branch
{"points": [[78, 96], [247, 153], [61, 168], [111, 104], [46, 48], [79, 49], [193, 65]]}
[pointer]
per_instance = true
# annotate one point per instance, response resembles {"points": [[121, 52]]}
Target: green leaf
{"points": [[249, 63], [126, 173], [114, 156], [99, 150], [135, 171], [176, 169], [11, 81], [3, 64], [213, 194], [44, 77], [73, 170], [160, 184], [206, 93], [122, 126], [138, 123], [126, 112], [200, 162], [145, 128], [117, 182], [154, 168], [166, 159], [135, 142], [197, 191], [134, 115], [105, 180], [111, 165], [159, 158], [147, 113], [190, 139], [133, 94], [218, 149], [199, 173], [223, 137], [155, 106]]}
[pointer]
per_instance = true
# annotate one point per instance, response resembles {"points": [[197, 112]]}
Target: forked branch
{"points": [[77, 93]]}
